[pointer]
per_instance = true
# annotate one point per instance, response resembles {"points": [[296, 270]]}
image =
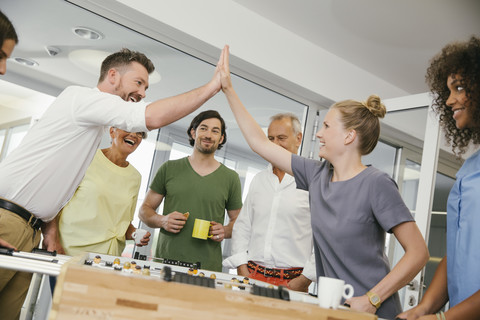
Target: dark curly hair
{"points": [[463, 59], [209, 114]]}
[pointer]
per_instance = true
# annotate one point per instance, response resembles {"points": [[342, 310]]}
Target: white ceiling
{"points": [[392, 40], [50, 22]]}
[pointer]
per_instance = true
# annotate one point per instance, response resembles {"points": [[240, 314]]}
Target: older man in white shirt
{"points": [[272, 237]]}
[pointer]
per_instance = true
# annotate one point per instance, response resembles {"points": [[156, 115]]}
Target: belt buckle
{"points": [[34, 222]]}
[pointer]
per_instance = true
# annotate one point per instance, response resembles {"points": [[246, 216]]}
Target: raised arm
{"points": [[165, 111], [256, 138]]}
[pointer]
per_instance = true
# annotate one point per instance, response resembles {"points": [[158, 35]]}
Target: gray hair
{"points": [[297, 127]]}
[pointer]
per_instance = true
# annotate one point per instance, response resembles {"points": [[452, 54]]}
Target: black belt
{"points": [[35, 223]]}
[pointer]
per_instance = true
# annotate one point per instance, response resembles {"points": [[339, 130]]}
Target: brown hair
{"points": [[463, 59], [363, 117], [209, 114], [7, 31], [122, 59]]}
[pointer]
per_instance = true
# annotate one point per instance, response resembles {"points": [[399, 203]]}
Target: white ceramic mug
{"points": [[330, 292], [138, 235]]}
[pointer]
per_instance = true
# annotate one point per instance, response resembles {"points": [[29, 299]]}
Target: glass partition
{"points": [[172, 143], [437, 238], [383, 157], [437, 233], [76, 61]]}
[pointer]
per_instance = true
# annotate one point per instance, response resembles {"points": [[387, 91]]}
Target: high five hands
{"points": [[224, 69]]}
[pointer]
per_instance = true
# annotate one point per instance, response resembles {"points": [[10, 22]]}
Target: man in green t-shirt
{"points": [[200, 185]]}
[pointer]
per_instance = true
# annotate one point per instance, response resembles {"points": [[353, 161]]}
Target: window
{"points": [[10, 138], [172, 143]]}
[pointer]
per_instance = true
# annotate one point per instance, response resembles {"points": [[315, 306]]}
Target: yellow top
{"points": [[100, 211]]}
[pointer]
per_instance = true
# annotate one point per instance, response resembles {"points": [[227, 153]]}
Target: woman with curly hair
{"points": [[352, 205], [454, 78]]}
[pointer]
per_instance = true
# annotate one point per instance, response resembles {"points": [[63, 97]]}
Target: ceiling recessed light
{"points": [[52, 51], [26, 61], [88, 60], [87, 33]]}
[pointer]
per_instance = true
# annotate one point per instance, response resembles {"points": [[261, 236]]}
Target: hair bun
{"points": [[375, 106]]}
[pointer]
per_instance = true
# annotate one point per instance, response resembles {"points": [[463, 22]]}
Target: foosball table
{"points": [[93, 286]]}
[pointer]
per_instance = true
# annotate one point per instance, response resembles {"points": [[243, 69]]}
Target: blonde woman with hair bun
{"points": [[363, 117], [352, 205]]}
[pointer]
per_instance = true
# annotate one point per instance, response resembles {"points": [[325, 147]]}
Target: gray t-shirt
{"points": [[349, 221]]}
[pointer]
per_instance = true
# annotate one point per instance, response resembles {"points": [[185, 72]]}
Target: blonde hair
{"points": [[363, 117]]}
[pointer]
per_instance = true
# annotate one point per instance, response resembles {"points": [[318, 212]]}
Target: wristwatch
{"points": [[374, 299]]}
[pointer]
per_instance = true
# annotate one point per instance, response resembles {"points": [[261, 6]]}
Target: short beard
{"points": [[206, 150], [118, 92]]}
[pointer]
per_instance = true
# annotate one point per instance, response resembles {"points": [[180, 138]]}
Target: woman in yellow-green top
{"points": [[98, 216]]}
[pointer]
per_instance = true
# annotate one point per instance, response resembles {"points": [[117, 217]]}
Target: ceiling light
{"points": [[52, 51], [87, 33], [88, 60], [26, 61]]}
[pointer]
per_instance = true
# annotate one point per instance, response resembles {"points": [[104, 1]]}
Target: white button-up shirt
{"points": [[273, 228]]}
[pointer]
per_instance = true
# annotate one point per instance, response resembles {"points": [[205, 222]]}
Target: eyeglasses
{"points": [[141, 135]]}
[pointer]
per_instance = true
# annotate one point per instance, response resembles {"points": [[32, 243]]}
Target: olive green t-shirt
{"points": [[206, 198]]}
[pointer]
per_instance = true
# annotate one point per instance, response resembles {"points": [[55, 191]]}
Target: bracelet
{"points": [[441, 316]]}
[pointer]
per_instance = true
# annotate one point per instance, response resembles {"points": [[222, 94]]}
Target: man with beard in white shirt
{"points": [[272, 237]]}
